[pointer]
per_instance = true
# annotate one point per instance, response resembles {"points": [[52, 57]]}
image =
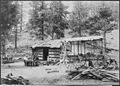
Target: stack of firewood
{"points": [[12, 80], [92, 73]]}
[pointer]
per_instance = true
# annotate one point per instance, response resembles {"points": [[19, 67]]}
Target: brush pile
{"points": [[12, 80], [92, 73]]}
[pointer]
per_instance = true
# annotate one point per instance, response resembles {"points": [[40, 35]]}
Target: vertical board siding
{"points": [[85, 47]]}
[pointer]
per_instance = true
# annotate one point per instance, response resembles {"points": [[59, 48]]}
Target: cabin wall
{"points": [[38, 53], [85, 47], [53, 53]]}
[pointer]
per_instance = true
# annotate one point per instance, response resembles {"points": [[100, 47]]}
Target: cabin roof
{"points": [[51, 44], [57, 43], [83, 38]]}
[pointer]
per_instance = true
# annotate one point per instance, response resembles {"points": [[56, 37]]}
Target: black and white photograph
{"points": [[59, 42]]}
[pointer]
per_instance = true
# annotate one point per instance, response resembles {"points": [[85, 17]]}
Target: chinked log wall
{"points": [[38, 53], [52, 53]]}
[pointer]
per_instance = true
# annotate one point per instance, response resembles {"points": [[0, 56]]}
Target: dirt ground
{"points": [[43, 75]]}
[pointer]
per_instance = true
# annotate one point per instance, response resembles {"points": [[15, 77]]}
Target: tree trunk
{"points": [[42, 30], [42, 24], [21, 14], [3, 51], [0, 41], [104, 42], [0, 49], [16, 37], [3, 45], [52, 35]]}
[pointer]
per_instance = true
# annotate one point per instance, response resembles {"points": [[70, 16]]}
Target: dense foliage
{"points": [[46, 20], [8, 20], [51, 20]]}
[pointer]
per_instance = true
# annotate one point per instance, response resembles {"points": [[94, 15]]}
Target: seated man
{"points": [[25, 58]]}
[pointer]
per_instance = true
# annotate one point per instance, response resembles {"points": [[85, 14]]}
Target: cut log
{"points": [[96, 74], [52, 71], [105, 80], [110, 76], [17, 80], [77, 77]]}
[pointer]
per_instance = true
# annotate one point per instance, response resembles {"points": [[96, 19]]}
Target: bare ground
{"points": [[43, 75]]}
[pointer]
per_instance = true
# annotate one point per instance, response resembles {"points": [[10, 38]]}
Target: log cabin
{"points": [[47, 50], [79, 45]]}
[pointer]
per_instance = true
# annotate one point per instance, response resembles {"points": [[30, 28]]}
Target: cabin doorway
{"points": [[45, 53]]}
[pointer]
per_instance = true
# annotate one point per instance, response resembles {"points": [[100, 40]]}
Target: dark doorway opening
{"points": [[45, 53]]}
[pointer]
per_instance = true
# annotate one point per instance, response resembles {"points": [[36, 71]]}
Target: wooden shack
{"points": [[76, 46], [83, 45], [47, 49]]}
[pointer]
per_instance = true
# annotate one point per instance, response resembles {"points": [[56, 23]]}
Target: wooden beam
{"points": [[81, 46], [74, 48], [71, 46], [91, 45], [94, 46], [78, 47], [84, 48]]}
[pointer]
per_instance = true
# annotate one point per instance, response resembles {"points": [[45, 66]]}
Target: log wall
{"points": [[53, 53]]}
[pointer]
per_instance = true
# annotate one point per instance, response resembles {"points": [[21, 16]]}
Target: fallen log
{"points": [[96, 74], [93, 74], [12, 80], [77, 77], [110, 76], [52, 71]]}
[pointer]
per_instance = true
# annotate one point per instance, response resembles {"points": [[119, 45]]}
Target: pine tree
{"points": [[77, 18], [8, 19], [101, 24], [58, 21], [38, 19]]}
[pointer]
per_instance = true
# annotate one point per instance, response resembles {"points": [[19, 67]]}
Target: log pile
{"points": [[92, 73], [12, 80]]}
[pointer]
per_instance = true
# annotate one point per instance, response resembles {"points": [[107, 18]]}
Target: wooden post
{"points": [[74, 47], [78, 47], [99, 45], [94, 47], [71, 46], [102, 45], [81, 46], [84, 48], [91, 45]]}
